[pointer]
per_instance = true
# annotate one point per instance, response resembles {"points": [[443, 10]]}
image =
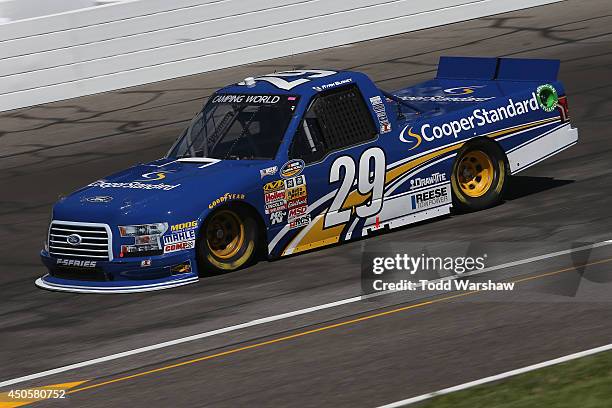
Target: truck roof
{"points": [[305, 82]]}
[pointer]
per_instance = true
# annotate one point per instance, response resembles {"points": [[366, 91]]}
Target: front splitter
{"points": [[61, 285]]}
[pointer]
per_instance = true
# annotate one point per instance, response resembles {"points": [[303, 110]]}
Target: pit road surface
{"points": [[564, 202]]}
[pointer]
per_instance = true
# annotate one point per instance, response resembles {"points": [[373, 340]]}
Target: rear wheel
{"points": [[228, 241], [479, 176]]}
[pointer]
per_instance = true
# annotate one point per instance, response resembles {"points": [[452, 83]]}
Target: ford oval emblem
{"points": [[98, 199], [74, 239]]}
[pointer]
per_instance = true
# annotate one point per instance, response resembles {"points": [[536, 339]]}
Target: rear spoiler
{"points": [[500, 69]]}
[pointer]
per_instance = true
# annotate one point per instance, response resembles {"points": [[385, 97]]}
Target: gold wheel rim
{"points": [[225, 234], [475, 173]]}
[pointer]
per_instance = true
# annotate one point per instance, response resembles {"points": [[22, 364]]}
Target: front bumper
{"points": [[124, 275]]}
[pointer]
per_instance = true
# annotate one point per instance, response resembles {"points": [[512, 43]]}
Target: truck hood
{"points": [[159, 190]]}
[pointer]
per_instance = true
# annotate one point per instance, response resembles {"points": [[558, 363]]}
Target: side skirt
{"points": [[541, 148]]}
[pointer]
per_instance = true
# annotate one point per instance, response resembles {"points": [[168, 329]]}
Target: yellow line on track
{"points": [[324, 328]]}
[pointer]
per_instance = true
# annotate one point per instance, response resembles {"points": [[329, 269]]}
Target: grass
{"points": [[581, 383]]}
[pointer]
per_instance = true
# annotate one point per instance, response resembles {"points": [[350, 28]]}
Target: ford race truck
{"points": [[296, 160]]}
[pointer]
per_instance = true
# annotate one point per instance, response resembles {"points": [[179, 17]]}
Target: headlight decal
{"points": [[146, 239]]}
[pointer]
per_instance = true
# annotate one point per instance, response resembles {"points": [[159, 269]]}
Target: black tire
{"points": [[217, 250], [479, 175]]}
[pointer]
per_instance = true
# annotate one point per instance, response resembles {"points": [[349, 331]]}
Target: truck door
{"points": [[344, 170]]}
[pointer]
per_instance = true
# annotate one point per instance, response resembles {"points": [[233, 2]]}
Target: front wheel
{"points": [[479, 176], [227, 242]]}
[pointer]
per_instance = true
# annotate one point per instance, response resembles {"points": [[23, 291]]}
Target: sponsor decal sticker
{"points": [[274, 186], [155, 175], [179, 246], [276, 206], [456, 95], [279, 193], [274, 196], [479, 117], [430, 198], [184, 226], [77, 263], [295, 181], [297, 202], [300, 222], [145, 263], [548, 98], [381, 113], [435, 178], [185, 267], [224, 198], [416, 139], [186, 235], [296, 192], [268, 171], [463, 90], [292, 168], [297, 212], [134, 185], [332, 85], [247, 99], [290, 79], [277, 217]]}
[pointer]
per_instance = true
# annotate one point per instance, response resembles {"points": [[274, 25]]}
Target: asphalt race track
{"points": [[349, 355]]}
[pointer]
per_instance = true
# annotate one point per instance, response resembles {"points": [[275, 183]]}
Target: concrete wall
{"points": [[135, 42]]}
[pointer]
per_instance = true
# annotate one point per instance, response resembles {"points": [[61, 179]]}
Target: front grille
{"points": [[89, 240]]}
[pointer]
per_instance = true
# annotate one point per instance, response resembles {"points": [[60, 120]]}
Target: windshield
{"points": [[237, 127]]}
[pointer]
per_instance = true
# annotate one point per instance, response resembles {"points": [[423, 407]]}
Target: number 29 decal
{"points": [[370, 180]]}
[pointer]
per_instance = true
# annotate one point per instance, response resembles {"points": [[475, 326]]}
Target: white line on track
{"points": [[497, 377], [274, 319]]}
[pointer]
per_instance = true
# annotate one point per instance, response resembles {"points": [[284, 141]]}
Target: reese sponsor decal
{"points": [[276, 206], [134, 185], [224, 198], [422, 182], [297, 212], [179, 246], [296, 192], [430, 198], [479, 117], [186, 235], [292, 168], [184, 226], [274, 186], [332, 85], [300, 222], [268, 171], [76, 263], [381, 113], [297, 202], [277, 217]]}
